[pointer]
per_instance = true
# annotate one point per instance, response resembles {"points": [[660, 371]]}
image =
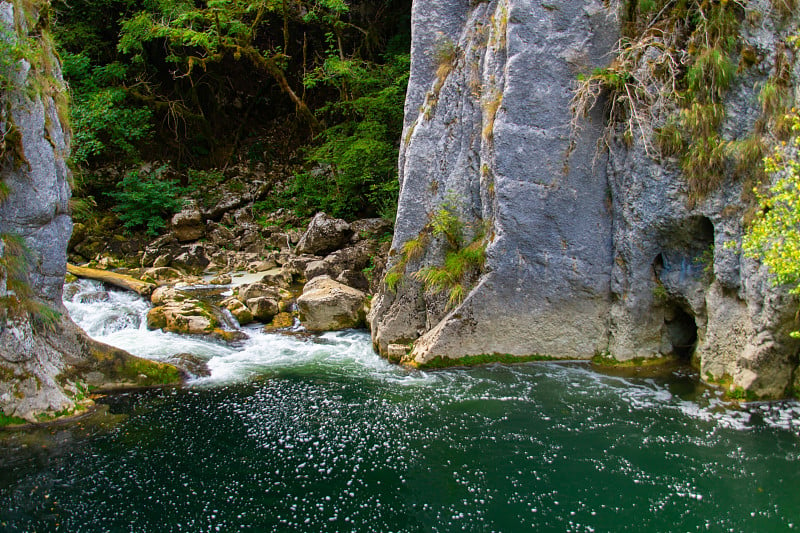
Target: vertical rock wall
{"points": [[588, 252], [45, 359]]}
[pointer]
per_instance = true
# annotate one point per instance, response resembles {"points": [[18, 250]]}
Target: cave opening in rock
{"points": [[681, 330]]}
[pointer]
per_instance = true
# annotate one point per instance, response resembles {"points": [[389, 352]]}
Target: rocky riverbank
{"points": [[267, 272]]}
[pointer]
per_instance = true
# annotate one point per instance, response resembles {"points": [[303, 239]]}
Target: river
{"points": [[316, 433]]}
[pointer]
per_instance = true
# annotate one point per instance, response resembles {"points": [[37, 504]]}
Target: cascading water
{"points": [[318, 434], [120, 319]]}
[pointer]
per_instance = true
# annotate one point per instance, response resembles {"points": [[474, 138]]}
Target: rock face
{"points": [[327, 305], [585, 255], [43, 355]]}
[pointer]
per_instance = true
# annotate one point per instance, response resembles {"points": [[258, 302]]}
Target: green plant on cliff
{"points": [[463, 260], [774, 235], [665, 86]]}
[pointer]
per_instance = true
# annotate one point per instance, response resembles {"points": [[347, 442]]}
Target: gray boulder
{"points": [[324, 235], [188, 224], [262, 308]]}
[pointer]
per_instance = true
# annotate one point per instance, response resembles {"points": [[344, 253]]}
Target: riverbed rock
{"points": [[191, 260], [262, 308], [324, 235], [221, 279], [164, 294], [297, 265], [162, 274], [327, 305], [190, 365], [283, 320], [277, 277], [256, 290], [238, 309], [188, 316], [396, 352]]}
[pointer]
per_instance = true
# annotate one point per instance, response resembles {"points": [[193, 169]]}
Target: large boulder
{"points": [[327, 305], [324, 235], [262, 308], [256, 290]]}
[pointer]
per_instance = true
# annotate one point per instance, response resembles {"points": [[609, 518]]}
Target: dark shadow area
{"points": [[681, 330]]}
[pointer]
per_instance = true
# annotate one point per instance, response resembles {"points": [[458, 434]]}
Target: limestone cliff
{"points": [[46, 362], [587, 252]]}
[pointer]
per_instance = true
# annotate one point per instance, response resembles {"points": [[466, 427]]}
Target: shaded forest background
{"points": [[171, 99]]}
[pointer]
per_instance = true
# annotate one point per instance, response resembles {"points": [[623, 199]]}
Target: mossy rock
{"points": [[148, 373], [483, 359], [280, 321]]}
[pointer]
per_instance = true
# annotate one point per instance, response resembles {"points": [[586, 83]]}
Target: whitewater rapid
{"points": [[120, 319]]}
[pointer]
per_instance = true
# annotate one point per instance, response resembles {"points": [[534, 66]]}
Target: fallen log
{"points": [[122, 281]]}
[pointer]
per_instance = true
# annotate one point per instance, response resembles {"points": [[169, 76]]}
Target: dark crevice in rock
{"points": [[681, 331]]}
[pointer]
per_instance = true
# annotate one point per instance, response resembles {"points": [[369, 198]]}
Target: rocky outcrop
{"points": [[46, 362], [585, 253]]}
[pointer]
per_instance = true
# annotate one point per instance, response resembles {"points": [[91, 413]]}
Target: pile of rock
{"points": [[323, 274]]}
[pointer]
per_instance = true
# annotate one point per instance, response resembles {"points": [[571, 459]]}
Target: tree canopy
{"points": [[317, 85]]}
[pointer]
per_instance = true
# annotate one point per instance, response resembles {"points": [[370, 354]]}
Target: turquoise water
{"points": [[318, 434]]}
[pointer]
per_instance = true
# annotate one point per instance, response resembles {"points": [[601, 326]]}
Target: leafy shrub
{"points": [[774, 235], [145, 199]]}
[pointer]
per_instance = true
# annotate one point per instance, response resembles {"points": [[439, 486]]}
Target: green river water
{"points": [[319, 434]]}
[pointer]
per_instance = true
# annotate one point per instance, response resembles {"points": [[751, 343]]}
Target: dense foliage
{"points": [[312, 86]]}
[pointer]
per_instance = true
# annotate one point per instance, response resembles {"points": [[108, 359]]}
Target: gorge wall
{"points": [[587, 251], [46, 362]]}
